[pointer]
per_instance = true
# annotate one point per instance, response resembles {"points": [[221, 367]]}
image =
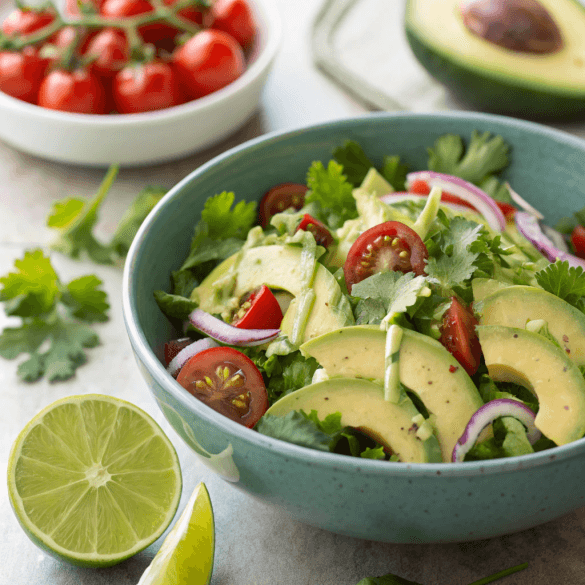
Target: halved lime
{"points": [[93, 480], [186, 555]]}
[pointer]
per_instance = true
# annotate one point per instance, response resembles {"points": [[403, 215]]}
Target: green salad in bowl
{"points": [[414, 315]]}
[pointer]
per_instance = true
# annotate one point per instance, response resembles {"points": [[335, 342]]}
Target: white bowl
{"points": [[138, 139]]}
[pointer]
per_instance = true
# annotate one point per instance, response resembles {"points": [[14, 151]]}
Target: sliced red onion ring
{"points": [[530, 228], [465, 190], [523, 203], [400, 196], [228, 334], [187, 353], [487, 414]]}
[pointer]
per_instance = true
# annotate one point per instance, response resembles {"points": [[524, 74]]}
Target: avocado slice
{"points": [[425, 367], [530, 360], [482, 287], [513, 306], [278, 267], [362, 405], [493, 78]]}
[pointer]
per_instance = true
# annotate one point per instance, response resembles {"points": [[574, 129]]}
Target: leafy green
{"points": [[567, 224], [564, 281], [386, 580], [53, 331], [223, 222], [353, 159], [394, 172], [174, 306]]}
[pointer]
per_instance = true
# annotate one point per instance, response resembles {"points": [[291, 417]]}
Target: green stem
{"points": [[501, 574]]}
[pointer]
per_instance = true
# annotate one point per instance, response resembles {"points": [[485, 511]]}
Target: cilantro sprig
{"points": [[564, 281], [54, 331]]}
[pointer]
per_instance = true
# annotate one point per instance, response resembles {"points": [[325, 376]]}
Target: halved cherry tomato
{"points": [[258, 310], [25, 21], [21, 73], [319, 230], [76, 91], [385, 247], [235, 17], [458, 335], [173, 347], [208, 61], [227, 381], [578, 241], [279, 198]]}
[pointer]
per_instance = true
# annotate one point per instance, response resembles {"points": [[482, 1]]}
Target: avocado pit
{"points": [[523, 26]]}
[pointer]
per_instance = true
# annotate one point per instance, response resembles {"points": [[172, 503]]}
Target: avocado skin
{"points": [[496, 94]]}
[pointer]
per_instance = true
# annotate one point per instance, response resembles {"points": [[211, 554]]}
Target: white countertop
{"points": [[255, 544]]}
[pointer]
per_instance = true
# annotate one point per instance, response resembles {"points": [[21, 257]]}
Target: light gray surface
{"points": [[256, 545]]}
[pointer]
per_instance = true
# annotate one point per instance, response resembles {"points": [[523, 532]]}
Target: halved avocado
{"points": [[362, 405], [493, 78], [425, 367], [513, 306], [530, 360]]}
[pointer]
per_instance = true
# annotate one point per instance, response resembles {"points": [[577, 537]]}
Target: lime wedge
{"points": [[93, 480], [186, 555]]}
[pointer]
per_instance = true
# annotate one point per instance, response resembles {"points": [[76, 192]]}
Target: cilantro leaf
{"points": [[223, 222], [564, 281], [485, 155], [75, 219], [332, 191], [52, 331], [133, 218]]}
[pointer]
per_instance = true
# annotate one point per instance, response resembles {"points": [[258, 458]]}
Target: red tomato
{"points": [[209, 61], [458, 335], [21, 73], [173, 347], [508, 210], [146, 87], [192, 13], [387, 246], [227, 381], [279, 198], [111, 51], [259, 310], [78, 91], [235, 17], [578, 241], [24, 21], [322, 235]]}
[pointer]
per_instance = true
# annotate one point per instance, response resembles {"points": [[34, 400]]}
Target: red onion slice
{"points": [[228, 334], [465, 190], [522, 203], [187, 353], [486, 415], [530, 228], [400, 196]]}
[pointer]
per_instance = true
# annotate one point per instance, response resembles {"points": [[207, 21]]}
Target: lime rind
{"points": [[60, 515]]}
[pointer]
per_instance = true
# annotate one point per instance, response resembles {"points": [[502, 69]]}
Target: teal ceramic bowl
{"points": [[368, 499]]}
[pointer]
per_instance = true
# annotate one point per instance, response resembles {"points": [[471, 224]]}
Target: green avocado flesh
{"points": [[425, 367], [279, 267], [362, 406], [496, 79], [515, 305], [530, 360]]}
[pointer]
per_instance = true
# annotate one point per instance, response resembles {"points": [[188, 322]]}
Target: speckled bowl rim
{"points": [[313, 457]]}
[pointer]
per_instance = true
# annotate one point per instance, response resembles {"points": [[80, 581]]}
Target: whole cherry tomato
{"points": [[258, 310], [25, 21], [227, 381], [78, 91], [110, 49], [388, 246], [235, 17], [578, 241], [192, 13], [319, 230], [146, 87], [458, 335], [279, 198], [209, 61], [21, 73]]}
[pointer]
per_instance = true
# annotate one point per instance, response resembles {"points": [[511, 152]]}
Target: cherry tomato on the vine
{"points": [[235, 17], [78, 91], [25, 21], [192, 13], [388, 246], [110, 50], [209, 61], [578, 241], [279, 198], [21, 73], [227, 381], [258, 310], [458, 335], [319, 230], [146, 87]]}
